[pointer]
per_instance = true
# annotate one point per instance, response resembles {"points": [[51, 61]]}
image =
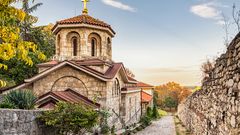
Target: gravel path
{"points": [[164, 126]]}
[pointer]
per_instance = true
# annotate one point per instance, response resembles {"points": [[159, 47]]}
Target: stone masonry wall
{"points": [[68, 77], [64, 46], [215, 109], [21, 122]]}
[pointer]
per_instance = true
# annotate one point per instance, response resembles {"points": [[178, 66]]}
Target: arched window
{"points": [[116, 88], [58, 46], [109, 47], [108, 41], [75, 46], [93, 46]]}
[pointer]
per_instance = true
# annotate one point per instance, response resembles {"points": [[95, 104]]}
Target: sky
{"points": [[159, 40]]}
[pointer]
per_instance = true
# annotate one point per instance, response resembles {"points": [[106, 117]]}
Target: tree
{"points": [[27, 9], [173, 90], [41, 36], [129, 73], [11, 43], [170, 102], [44, 38], [230, 24], [236, 16], [226, 25], [18, 70], [29, 19], [207, 68]]}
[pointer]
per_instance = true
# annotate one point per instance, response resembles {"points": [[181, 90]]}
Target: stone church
{"points": [[83, 71]]}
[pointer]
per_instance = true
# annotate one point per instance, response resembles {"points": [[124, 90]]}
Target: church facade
{"points": [[83, 71]]}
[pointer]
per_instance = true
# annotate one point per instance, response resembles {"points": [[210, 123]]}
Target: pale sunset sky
{"points": [[159, 40]]}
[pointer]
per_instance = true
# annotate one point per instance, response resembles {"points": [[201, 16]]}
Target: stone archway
{"points": [[70, 82]]}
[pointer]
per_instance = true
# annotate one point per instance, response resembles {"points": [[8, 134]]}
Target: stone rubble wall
{"points": [[21, 122], [215, 109]]}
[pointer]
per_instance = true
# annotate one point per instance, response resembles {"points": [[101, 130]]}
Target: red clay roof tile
{"points": [[85, 19], [141, 84], [67, 96], [146, 97]]}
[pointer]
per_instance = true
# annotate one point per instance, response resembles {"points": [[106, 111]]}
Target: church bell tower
{"points": [[83, 37]]}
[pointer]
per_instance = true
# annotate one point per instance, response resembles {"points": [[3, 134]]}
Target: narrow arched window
{"points": [[93, 47], [75, 46], [116, 88], [108, 40], [58, 46]]}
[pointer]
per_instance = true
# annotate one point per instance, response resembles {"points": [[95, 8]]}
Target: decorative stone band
{"points": [[82, 57], [60, 26]]}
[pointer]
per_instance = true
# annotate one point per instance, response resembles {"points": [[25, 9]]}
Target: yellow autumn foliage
{"points": [[11, 43]]}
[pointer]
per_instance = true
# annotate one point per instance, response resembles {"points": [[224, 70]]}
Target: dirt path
{"points": [[164, 126]]}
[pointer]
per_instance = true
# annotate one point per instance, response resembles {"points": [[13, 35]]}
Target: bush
{"points": [[69, 118], [105, 129], [145, 120], [155, 113], [113, 129], [149, 112], [7, 105], [162, 113], [19, 99]]}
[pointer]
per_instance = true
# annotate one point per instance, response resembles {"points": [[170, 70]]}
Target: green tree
{"points": [[18, 70], [29, 20], [44, 38], [40, 36], [170, 102], [12, 45], [171, 89]]}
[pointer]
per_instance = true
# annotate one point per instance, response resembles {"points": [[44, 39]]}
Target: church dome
{"points": [[84, 19]]}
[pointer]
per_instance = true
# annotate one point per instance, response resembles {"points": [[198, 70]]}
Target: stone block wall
{"points": [[132, 107], [215, 109], [64, 44], [68, 77], [21, 122]]}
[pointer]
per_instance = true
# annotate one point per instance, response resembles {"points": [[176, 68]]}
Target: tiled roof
{"points": [[49, 63], [91, 62], [85, 66], [142, 85], [109, 74], [146, 97], [132, 79], [84, 19], [66, 96]]}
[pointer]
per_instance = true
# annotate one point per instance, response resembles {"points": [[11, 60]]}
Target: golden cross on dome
{"points": [[85, 10]]}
